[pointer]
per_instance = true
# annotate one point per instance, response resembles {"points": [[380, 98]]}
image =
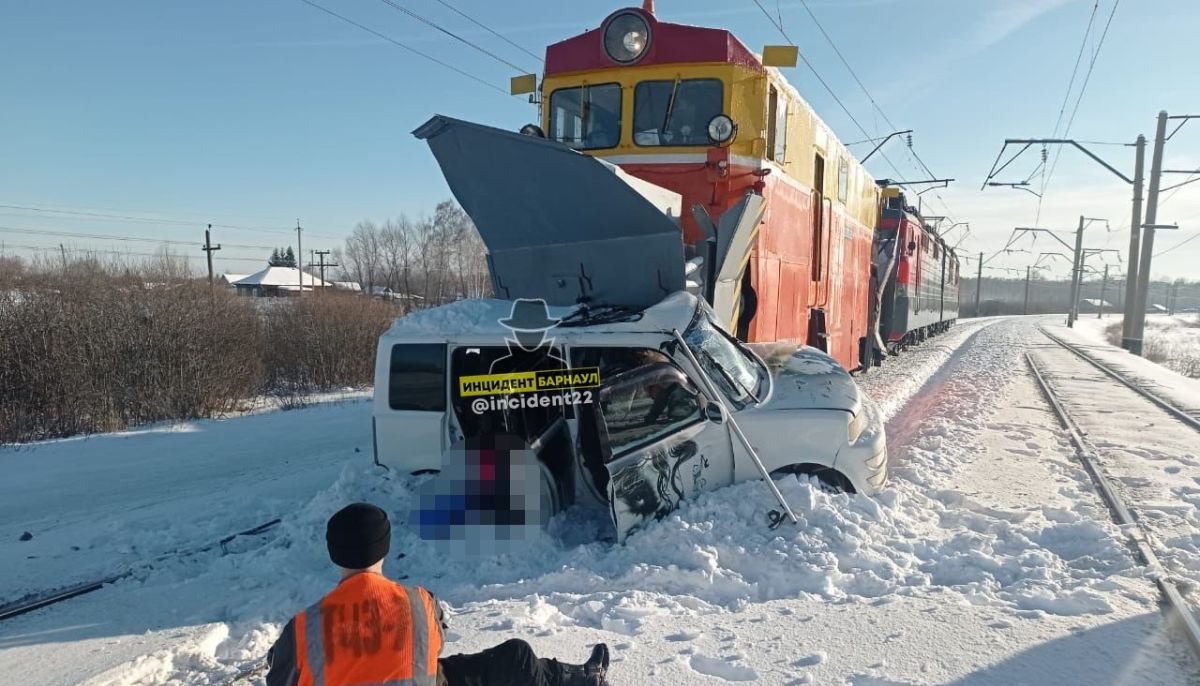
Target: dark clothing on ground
{"points": [[512, 663]]}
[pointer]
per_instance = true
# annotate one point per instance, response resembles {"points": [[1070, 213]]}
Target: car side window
{"points": [[646, 404], [417, 377]]}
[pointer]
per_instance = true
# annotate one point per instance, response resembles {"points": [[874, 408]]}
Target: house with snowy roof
{"points": [[278, 281]]}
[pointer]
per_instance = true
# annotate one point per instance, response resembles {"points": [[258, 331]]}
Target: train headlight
{"points": [[626, 37], [721, 129]]}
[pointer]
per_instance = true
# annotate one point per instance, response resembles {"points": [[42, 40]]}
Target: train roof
{"points": [[669, 44]]}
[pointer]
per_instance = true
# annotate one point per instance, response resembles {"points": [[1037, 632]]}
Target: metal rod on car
{"points": [[712, 391]]}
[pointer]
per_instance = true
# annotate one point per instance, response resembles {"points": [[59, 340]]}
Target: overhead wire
{"points": [[870, 98], [1079, 98], [126, 239], [407, 47], [489, 29], [429, 22], [822, 81], [158, 220], [119, 253]]}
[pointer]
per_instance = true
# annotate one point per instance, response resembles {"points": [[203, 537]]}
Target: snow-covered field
{"points": [[988, 560], [1172, 341]]}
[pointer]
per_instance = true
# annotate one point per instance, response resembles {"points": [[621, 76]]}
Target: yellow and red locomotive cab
{"points": [[693, 110]]}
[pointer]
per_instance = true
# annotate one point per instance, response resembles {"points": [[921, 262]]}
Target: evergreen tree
{"points": [[276, 259], [289, 258]]}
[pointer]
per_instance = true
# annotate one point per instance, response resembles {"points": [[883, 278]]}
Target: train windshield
{"points": [[586, 117], [676, 112]]}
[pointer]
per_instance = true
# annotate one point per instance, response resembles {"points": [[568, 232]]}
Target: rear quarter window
{"points": [[417, 377]]}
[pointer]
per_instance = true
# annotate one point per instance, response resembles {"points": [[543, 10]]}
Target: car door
{"points": [[664, 443]]}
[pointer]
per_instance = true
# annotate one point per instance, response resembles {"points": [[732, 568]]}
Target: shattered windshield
{"points": [[735, 374]]}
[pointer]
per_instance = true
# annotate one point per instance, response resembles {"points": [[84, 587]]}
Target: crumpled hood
{"points": [[806, 378]]}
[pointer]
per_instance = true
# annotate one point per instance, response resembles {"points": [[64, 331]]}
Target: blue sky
{"points": [[259, 113]]}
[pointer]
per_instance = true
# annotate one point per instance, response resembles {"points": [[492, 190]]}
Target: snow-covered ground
{"points": [[988, 560], [1172, 341]]}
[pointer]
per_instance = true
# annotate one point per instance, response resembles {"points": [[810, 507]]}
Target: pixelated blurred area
{"points": [[491, 498]]}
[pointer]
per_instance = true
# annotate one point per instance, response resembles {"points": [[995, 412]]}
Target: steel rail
{"points": [[38, 600], [1176, 412], [1138, 537]]}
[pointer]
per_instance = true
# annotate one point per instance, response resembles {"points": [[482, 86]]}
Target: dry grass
{"points": [[90, 347], [1163, 344]]}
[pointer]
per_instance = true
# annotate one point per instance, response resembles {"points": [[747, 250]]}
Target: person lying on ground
{"points": [[370, 630]]}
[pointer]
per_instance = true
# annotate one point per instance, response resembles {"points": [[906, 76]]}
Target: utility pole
{"points": [[208, 249], [978, 284], [1135, 227], [299, 252], [1028, 271], [322, 264], [1147, 248], [1076, 276], [1103, 291]]}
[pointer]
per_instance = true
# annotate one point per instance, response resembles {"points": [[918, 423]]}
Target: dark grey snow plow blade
{"points": [[558, 225]]}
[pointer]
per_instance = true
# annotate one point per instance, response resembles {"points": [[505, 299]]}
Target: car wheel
{"points": [[828, 480]]}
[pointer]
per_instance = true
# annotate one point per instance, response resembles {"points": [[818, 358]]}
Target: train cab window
{"points": [[587, 117], [843, 179], [676, 112], [777, 111]]}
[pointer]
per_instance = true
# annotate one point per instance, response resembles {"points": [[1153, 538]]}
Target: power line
{"points": [[409, 48], [448, 32], [829, 39], [152, 220], [870, 98], [487, 28], [1079, 98], [829, 89], [110, 237], [120, 253], [1179, 245]]}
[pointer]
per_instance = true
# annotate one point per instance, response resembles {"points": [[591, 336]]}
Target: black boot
{"points": [[590, 673]]}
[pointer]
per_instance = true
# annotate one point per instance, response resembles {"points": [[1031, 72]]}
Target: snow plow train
{"points": [[683, 226]]}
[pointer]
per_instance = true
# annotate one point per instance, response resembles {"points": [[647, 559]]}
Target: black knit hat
{"points": [[358, 536]]}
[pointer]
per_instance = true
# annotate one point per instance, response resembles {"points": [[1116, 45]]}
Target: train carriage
{"points": [[919, 273], [693, 110]]}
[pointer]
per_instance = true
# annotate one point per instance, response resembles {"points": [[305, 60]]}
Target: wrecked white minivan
{"points": [[654, 429], [606, 353]]}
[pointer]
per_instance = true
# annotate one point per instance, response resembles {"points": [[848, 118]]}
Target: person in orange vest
{"points": [[371, 631]]}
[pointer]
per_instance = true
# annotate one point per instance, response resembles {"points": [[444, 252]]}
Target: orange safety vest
{"points": [[369, 631]]}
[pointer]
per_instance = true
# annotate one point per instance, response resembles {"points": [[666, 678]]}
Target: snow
{"points": [[987, 560], [482, 317]]}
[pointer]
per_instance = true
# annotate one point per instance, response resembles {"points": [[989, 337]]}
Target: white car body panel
{"points": [[804, 415]]}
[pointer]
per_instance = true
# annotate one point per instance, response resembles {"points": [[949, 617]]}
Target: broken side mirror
{"points": [[714, 412]]}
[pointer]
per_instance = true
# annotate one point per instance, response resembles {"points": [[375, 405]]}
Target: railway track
{"points": [[1139, 538], [1191, 418], [39, 600]]}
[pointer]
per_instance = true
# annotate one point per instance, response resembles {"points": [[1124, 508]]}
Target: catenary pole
{"points": [[1028, 271], [1103, 292], [1147, 247], [1135, 230], [1076, 275], [978, 284]]}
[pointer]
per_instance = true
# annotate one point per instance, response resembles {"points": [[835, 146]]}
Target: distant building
{"points": [[1094, 305], [227, 279], [351, 286], [277, 281], [386, 293]]}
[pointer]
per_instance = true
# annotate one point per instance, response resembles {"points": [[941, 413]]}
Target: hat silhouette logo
{"points": [[530, 314]]}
